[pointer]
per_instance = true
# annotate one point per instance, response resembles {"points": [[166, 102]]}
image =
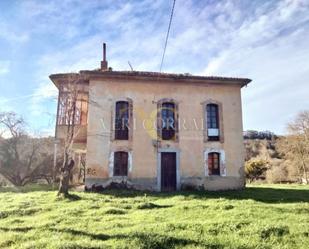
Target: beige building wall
{"points": [[191, 147]]}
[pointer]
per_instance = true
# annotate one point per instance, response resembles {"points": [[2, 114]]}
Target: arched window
{"points": [[168, 122], [122, 120], [120, 163], [213, 163], [213, 122]]}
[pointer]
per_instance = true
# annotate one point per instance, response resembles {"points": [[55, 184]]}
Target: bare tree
{"points": [[23, 159], [73, 117], [70, 94], [295, 146]]}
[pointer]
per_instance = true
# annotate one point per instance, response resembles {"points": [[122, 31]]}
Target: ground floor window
{"points": [[120, 163], [214, 163]]}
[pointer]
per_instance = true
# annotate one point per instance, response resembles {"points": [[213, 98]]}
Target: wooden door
{"points": [[121, 163], [168, 171]]}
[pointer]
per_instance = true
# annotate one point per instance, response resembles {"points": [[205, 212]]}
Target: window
{"points": [[212, 122], [66, 111], [122, 120], [213, 163], [82, 109], [168, 125], [120, 163]]}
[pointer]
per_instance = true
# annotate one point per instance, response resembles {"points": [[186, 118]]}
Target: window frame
{"points": [[212, 113], [168, 131], [219, 122], [212, 116], [171, 134], [121, 132], [130, 123], [214, 159], [222, 159]]}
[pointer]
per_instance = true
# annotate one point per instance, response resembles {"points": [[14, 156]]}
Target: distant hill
{"points": [[263, 148], [252, 134]]}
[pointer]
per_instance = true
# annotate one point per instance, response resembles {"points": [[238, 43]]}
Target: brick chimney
{"points": [[104, 62]]}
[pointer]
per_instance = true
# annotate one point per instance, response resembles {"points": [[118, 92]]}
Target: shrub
{"points": [[275, 231], [255, 169], [277, 173], [115, 211]]}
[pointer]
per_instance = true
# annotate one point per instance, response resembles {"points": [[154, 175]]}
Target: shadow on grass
{"points": [[74, 232], [150, 205], [261, 194], [28, 188], [16, 229], [281, 194], [144, 240], [69, 197]]}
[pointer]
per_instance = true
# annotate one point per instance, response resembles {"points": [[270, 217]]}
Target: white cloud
{"points": [[10, 34], [43, 95], [119, 14], [46, 90], [265, 41], [4, 67], [272, 50]]}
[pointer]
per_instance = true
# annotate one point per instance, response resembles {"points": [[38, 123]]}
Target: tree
{"points": [[70, 92], [23, 159], [295, 146], [277, 171], [255, 169]]}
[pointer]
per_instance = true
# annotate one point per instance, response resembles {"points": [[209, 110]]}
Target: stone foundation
{"points": [[216, 183], [192, 183], [149, 184], [211, 183]]}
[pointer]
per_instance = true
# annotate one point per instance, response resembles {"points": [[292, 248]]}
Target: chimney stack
{"points": [[104, 62]]}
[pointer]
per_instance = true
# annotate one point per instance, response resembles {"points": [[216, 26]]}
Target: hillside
{"points": [[264, 152]]}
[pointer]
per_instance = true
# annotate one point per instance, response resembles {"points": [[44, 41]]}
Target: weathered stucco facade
{"points": [[144, 91]]}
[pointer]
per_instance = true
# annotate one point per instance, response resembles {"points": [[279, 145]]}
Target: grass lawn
{"points": [[262, 216]]}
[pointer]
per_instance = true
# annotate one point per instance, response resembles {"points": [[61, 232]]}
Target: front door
{"points": [[168, 171]]}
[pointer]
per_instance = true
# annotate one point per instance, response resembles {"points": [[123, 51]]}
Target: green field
{"points": [[265, 216]]}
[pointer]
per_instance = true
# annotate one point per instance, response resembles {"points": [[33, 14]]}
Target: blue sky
{"points": [[267, 41]]}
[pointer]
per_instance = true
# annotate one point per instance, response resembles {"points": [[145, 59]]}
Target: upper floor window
{"points": [[122, 120], [213, 122], [72, 109], [214, 163], [120, 163], [168, 121]]}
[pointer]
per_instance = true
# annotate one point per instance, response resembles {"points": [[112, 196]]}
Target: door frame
{"points": [[177, 151]]}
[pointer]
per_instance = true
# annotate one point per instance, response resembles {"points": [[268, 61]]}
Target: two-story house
{"points": [[156, 131]]}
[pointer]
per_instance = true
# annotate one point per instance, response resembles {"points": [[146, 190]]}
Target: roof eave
{"points": [[136, 75], [56, 78], [164, 77]]}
